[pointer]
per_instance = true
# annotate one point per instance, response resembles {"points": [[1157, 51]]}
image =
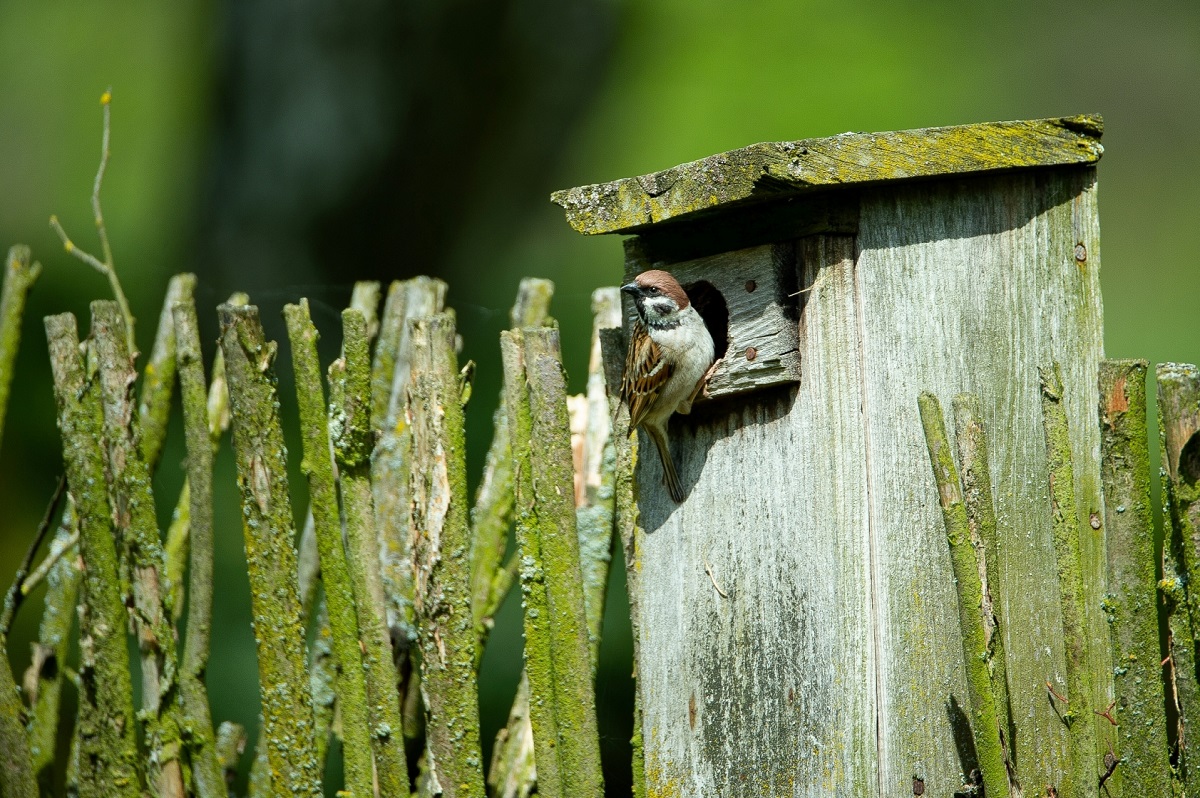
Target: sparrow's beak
{"points": [[631, 289]]}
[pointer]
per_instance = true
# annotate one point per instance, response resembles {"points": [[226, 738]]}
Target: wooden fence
{"points": [[851, 600]]}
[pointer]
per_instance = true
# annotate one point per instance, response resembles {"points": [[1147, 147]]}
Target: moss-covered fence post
{"points": [[108, 760], [1083, 764], [19, 276], [140, 546], [557, 658], [270, 554], [441, 561], [985, 722], [1132, 602], [1179, 439], [317, 464], [207, 776], [350, 429]]}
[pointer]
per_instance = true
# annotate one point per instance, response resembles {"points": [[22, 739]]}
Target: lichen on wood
{"points": [[317, 465], [207, 776], [597, 472], [627, 520], [231, 742], [176, 547], [383, 359], [322, 680], [1080, 777], [782, 170], [440, 561], [1179, 408], [158, 377], [557, 654], [1178, 386], [139, 544], [270, 554], [16, 762], [539, 661], [419, 297], [364, 298], [43, 680], [513, 772], [1131, 604], [491, 516], [107, 753], [985, 722], [975, 472], [19, 276], [351, 435]]}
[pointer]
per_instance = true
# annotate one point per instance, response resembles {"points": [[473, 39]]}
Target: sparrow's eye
{"points": [[652, 290]]}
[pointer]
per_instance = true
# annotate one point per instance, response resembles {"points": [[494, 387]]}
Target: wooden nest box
{"points": [[797, 621]]}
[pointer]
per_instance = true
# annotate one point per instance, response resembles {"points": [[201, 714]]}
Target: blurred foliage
{"points": [[287, 149]]}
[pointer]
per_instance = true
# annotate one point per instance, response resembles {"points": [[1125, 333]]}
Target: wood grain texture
{"points": [[770, 172], [759, 291], [971, 286], [761, 690], [833, 665]]}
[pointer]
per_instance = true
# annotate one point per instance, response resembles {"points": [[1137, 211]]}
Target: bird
{"points": [[671, 355]]}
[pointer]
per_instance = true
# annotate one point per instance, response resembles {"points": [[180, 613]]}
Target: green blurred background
{"points": [[287, 149]]}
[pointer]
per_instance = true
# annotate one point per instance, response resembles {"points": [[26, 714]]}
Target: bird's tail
{"points": [[668, 465]]}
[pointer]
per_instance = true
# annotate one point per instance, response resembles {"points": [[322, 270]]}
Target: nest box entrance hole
{"points": [[711, 306]]}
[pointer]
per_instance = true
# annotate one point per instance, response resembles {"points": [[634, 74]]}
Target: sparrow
{"points": [[670, 357]]}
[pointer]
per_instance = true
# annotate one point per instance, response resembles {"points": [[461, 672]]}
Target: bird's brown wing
{"points": [[645, 374]]}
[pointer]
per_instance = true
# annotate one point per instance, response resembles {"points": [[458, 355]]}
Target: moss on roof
{"points": [[763, 172]]}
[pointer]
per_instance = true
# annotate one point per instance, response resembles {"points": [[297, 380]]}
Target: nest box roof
{"points": [[762, 173]]}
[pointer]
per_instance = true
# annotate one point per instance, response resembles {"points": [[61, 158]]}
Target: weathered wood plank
{"points": [[755, 644], [773, 171], [969, 286], [759, 291]]}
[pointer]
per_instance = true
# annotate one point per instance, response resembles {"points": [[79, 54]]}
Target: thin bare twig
{"points": [[708, 569], [58, 549], [1054, 692], [16, 593], [105, 266]]}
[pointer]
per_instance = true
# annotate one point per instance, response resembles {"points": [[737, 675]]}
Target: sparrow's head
{"points": [[659, 297]]}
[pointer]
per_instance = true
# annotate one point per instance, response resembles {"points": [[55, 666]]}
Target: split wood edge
{"points": [[441, 577]]}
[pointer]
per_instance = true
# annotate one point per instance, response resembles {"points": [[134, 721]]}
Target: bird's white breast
{"points": [[689, 346]]}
